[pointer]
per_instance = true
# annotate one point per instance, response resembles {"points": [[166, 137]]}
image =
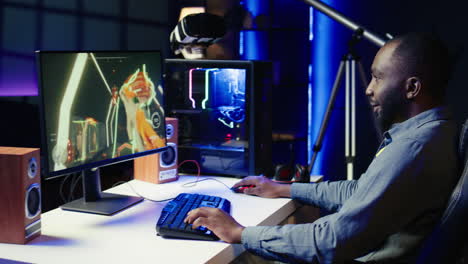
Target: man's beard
{"points": [[390, 111]]}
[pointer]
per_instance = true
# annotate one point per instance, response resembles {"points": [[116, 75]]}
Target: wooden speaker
{"points": [[20, 195], [160, 167]]}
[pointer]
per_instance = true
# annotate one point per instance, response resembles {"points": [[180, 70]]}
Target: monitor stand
{"points": [[96, 202]]}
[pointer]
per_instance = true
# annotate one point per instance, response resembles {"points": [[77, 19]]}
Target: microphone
{"points": [[195, 32]]}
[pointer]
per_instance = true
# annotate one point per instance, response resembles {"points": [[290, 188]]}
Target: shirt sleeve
{"points": [[382, 205], [327, 195]]}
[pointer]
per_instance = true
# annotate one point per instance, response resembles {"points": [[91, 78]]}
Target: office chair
{"points": [[449, 240]]}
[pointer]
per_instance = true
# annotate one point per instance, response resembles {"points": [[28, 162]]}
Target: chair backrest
{"points": [[445, 243]]}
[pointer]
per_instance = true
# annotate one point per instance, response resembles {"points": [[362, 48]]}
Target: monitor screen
{"points": [[99, 107]]}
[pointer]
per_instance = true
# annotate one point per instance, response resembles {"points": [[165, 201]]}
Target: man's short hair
{"points": [[425, 56]]}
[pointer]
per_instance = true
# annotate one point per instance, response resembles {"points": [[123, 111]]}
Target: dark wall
{"points": [[290, 50], [30, 25]]}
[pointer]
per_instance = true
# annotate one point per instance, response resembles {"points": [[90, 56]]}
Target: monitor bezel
{"points": [[45, 166]]}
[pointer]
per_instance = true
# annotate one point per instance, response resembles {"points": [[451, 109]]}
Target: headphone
{"points": [[289, 173]]}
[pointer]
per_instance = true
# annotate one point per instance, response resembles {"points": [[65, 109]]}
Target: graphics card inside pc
{"points": [[224, 113]]}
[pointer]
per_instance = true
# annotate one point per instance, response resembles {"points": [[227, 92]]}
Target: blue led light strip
{"points": [[310, 139]]}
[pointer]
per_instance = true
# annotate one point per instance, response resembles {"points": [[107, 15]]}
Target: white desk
{"points": [[130, 235]]}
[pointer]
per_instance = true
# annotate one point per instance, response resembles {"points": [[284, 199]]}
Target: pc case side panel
{"points": [[233, 154]]}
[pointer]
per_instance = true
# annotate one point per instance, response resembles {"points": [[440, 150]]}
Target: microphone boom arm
{"points": [[329, 11]]}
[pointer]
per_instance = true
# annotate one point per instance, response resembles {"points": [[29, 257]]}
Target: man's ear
{"points": [[413, 87]]}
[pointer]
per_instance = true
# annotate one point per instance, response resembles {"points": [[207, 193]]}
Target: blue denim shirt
{"points": [[383, 216]]}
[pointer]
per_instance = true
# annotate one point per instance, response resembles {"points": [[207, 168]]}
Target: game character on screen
{"points": [[137, 92]]}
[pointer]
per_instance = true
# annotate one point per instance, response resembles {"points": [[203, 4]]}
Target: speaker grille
{"points": [[32, 168], [169, 131], [169, 157], [33, 201]]}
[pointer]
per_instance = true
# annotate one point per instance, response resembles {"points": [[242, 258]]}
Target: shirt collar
{"points": [[432, 114]]}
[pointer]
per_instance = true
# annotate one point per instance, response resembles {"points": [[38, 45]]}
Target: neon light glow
{"points": [[241, 43], [108, 116], [230, 124], [310, 134], [309, 115], [207, 86], [251, 49], [135, 139], [311, 23], [225, 90], [115, 127], [156, 101], [153, 95], [153, 92], [133, 78], [100, 73], [322, 81], [65, 109], [324, 56], [191, 87]]}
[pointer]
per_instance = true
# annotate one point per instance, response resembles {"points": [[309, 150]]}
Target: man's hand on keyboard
{"points": [[218, 221], [264, 187]]}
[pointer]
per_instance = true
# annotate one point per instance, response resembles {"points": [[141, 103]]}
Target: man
{"points": [[385, 215]]}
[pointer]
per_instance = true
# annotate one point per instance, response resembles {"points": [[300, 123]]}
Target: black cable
{"points": [[71, 197], [62, 196], [118, 183]]}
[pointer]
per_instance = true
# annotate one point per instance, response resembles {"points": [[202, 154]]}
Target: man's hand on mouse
{"points": [[218, 221], [264, 187]]}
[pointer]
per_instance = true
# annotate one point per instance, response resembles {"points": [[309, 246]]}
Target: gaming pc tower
{"points": [[224, 113]]}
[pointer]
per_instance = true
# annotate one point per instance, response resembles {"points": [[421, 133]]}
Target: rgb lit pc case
{"points": [[224, 112]]}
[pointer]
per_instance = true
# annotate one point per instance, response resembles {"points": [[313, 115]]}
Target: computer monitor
{"points": [[97, 109], [224, 113]]}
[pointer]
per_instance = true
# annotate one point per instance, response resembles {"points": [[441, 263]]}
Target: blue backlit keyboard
{"points": [[171, 222]]}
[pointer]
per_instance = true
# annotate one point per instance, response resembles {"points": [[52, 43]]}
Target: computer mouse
{"points": [[240, 189]]}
